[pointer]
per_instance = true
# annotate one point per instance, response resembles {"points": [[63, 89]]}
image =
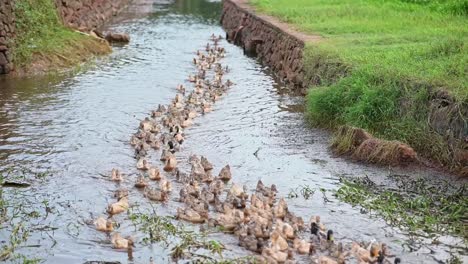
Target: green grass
{"points": [[380, 62], [39, 32]]}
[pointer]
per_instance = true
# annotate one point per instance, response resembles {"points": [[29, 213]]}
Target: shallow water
{"points": [[77, 127]]}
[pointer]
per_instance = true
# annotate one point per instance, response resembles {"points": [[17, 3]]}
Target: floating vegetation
{"points": [[415, 205], [19, 214], [184, 243], [304, 190]]}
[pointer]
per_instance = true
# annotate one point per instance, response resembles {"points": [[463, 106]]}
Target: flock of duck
{"points": [[260, 220]]}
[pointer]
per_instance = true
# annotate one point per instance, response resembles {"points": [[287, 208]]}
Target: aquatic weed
{"points": [[415, 206]]}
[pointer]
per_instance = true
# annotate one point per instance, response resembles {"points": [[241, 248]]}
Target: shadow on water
{"points": [[76, 128]]}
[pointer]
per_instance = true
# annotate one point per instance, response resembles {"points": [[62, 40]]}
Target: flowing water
{"points": [[76, 128]]}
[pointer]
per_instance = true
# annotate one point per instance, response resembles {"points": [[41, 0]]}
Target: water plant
{"points": [[413, 205], [183, 242]]}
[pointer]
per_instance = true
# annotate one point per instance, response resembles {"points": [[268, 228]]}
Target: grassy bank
{"points": [[42, 41], [380, 63]]}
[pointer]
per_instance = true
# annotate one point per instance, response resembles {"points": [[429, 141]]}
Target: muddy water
{"points": [[76, 128]]}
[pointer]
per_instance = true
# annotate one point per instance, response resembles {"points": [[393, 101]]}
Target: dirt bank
{"points": [[40, 35]]}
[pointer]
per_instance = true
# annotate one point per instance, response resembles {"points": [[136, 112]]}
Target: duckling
{"points": [[121, 243], [165, 185], [141, 182], [190, 215], [118, 207], [171, 163], [142, 164], [156, 195], [225, 173], [120, 193], [154, 174], [116, 175], [146, 124], [103, 225]]}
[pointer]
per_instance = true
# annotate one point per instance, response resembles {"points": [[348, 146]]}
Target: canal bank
{"points": [[44, 36], [427, 116]]}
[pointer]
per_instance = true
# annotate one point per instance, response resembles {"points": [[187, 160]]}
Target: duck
{"points": [[134, 140], [181, 88], [118, 207], [207, 196], [301, 246], [206, 108], [154, 174], [179, 138], [225, 173], [206, 164], [141, 182], [237, 191], [116, 175], [328, 260], [197, 172], [281, 209], [363, 255], [278, 241], [187, 122], [190, 215], [217, 186], [207, 177], [286, 229], [265, 191], [120, 193], [143, 164], [165, 185], [171, 163], [275, 254], [164, 155], [156, 195], [173, 147], [120, 242], [103, 225]]}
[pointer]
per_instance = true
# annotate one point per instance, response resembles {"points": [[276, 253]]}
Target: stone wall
{"points": [[273, 42], [7, 33], [88, 14]]}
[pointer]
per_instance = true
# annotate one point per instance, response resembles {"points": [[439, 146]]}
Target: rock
{"points": [[117, 37]]}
